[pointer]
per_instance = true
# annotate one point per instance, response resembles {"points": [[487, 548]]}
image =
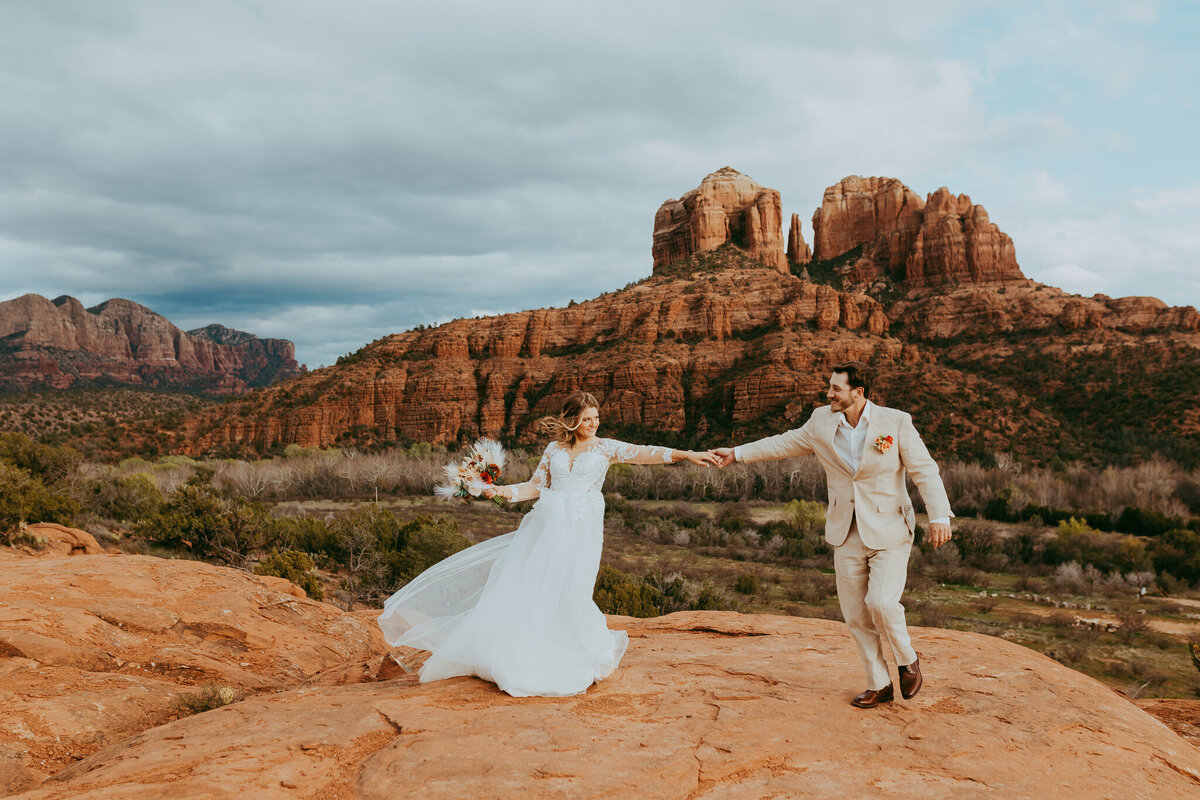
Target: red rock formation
{"points": [[95, 649], [944, 240], [637, 348], [797, 250], [1031, 307], [713, 346], [880, 212], [726, 207], [62, 540], [60, 344], [704, 704], [958, 243]]}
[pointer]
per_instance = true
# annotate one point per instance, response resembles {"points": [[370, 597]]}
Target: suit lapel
{"points": [[869, 450]]}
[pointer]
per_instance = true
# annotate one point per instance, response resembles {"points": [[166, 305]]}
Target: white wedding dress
{"points": [[517, 610]]}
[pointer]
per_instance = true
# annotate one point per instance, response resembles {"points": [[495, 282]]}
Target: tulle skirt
{"points": [[516, 610]]}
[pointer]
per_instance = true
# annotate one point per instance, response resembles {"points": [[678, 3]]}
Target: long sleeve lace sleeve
{"points": [[624, 453], [532, 488]]}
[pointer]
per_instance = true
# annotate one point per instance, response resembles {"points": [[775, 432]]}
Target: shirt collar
{"points": [[866, 416]]}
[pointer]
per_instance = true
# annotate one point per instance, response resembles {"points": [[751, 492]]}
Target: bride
{"points": [[517, 610]]}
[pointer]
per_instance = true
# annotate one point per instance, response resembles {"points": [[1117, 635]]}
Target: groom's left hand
{"points": [[939, 534]]}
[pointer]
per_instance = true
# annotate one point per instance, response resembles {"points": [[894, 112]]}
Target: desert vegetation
{"points": [[1098, 568], [100, 423]]}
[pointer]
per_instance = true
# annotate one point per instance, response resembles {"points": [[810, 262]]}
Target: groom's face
{"points": [[839, 394]]}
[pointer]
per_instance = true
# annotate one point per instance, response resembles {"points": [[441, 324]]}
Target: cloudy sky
{"points": [[330, 172]]}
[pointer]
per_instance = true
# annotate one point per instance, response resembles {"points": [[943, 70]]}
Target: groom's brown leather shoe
{"points": [[872, 697], [910, 680]]}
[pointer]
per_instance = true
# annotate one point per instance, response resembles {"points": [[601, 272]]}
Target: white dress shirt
{"points": [[848, 440]]}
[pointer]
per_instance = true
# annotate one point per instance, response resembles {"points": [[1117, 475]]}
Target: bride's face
{"points": [[589, 421]]}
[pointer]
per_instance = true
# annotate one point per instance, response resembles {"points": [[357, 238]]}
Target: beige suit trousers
{"points": [[870, 584]]}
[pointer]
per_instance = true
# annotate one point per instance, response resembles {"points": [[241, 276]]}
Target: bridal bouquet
{"points": [[478, 469]]}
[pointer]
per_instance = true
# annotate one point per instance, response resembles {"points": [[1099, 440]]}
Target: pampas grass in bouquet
{"points": [[479, 469]]}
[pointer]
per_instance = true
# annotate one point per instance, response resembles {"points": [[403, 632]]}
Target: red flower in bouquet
{"points": [[476, 471]]}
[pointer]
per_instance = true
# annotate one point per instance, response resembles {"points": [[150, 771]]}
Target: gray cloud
{"points": [[332, 172]]}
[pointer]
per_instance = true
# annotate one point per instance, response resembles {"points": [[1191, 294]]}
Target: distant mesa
{"points": [[59, 344]]}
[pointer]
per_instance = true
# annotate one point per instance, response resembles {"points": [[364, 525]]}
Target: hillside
{"points": [[716, 345], [59, 344]]}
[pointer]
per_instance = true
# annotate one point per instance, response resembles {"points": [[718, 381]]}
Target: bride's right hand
{"points": [[489, 493]]}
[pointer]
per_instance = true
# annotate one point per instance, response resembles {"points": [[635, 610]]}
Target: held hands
{"points": [[703, 459], [939, 534], [723, 456]]}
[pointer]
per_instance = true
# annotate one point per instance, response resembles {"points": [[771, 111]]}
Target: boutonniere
{"points": [[883, 443]]}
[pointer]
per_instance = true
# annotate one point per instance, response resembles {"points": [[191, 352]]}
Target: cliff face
{"points": [[727, 206], [942, 240], [59, 344], [658, 352]]}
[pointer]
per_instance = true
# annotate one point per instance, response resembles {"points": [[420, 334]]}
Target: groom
{"points": [[866, 450]]}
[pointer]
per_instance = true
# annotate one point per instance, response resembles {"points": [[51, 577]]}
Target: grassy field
{"points": [[1137, 645]]}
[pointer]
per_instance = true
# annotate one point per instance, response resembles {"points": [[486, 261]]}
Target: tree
{"points": [[296, 567]]}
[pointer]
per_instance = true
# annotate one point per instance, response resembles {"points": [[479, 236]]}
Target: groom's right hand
{"points": [[724, 455]]}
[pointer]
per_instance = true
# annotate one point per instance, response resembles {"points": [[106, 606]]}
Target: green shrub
{"points": [[426, 542], [732, 518], [747, 584], [1000, 507], [24, 498], [712, 599], [296, 567], [1177, 552], [126, 498], [807, 518], [46, 462], [1145, 522], [311, 535], [1072, 526], [202, 520], [617, 593]]}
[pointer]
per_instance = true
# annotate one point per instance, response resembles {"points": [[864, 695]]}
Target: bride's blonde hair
{"points": [[564, 427]]}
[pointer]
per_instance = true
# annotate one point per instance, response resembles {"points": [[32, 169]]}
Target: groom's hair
{"points": [[858, 375]]}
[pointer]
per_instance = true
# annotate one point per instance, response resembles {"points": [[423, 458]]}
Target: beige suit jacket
{"points": [[876, 494]]}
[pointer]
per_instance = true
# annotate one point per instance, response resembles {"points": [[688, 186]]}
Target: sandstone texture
{"points": [[97, 648], [727, 206], [942, 240], [704, 705], [59, 344], [62, 540]]}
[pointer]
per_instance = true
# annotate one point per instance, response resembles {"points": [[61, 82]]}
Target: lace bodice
{"points": [[560, 470]]}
